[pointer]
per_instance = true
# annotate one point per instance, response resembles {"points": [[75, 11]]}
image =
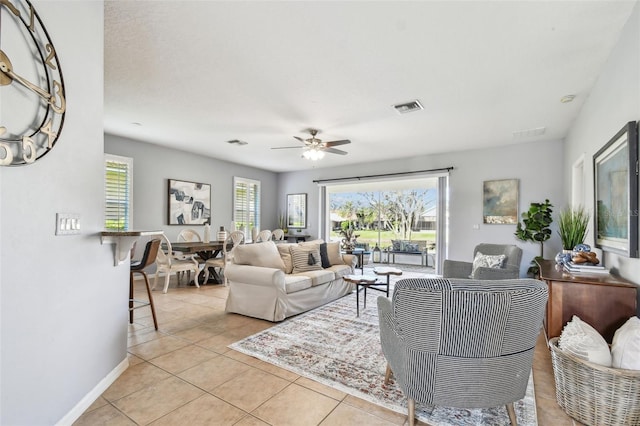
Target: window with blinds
{"points": [[246, 205], [118, 184]]}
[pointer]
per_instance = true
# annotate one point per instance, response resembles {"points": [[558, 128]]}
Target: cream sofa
{"points": [[275, 281]]}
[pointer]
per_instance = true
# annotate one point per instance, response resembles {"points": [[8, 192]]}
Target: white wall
{"points": [[538, 166], [63, 303], [152, 167], [614, 101]]}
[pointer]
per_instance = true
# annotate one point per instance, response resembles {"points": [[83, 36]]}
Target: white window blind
{"points": [[118, 184], [246, 205]]}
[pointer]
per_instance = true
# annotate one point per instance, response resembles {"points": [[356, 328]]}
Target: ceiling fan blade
{"points": [[335, 151], [336, 143], [300, 139], [287, 147]]}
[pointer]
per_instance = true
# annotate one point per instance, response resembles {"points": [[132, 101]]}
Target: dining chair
{"points": [[167, 263], [234, 239], [149, 256], [264, 235], [189, 235], [277, 235]]}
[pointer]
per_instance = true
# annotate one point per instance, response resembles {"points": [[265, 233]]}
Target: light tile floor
{"points": [[184, 374]]}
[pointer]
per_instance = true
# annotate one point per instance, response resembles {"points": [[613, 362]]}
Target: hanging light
{"points": [[313, 154]]}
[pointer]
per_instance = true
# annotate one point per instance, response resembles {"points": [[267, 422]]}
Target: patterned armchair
{"points": [[462, 343], [509, 269]]}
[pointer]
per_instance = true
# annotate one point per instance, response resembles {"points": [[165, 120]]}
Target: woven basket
{"points": [[593, 394]]}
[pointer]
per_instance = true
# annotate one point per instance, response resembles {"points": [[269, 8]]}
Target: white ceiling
{"points": [[196, 74]]}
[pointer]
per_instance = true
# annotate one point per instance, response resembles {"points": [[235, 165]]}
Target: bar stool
{"points": [[149, 256]]}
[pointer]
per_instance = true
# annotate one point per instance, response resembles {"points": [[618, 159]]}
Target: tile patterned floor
{"points": [[184, 374]]}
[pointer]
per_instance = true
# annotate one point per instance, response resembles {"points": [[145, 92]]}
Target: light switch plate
{"points": [[67, 224]]}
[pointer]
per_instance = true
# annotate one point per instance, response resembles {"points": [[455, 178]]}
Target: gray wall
{"points": [[614, 101], [63, 302], [152, 167], [538, 166]]}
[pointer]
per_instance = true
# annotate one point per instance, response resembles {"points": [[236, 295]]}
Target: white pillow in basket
{"points": [[625, 348], [583, 341]]}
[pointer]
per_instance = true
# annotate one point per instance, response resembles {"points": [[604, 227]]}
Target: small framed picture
{"points": [[296, 211]]}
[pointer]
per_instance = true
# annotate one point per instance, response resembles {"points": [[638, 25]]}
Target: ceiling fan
{"points": [[314, 148]]}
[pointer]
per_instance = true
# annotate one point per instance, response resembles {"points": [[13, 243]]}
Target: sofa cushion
{"points": [[285, 253], [324, 257], [340, 270], [263, 254], [293, 283], [625, 348], [333, 253], [306, 258], [584, 341], [319, 277]]}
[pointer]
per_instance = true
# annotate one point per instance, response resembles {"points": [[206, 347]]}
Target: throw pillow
{"points": [[625, 348], [285, 254], [397, 245], [263, 254], [324, 256], [583, 341], [302, 255], [333, 253], [487, 261], [411, 247]]}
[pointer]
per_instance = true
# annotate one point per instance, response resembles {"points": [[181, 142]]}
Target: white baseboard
{"points": [[93, 395]]}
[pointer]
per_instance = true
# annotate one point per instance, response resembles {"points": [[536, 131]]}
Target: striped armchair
{"points": [[462, 343]]}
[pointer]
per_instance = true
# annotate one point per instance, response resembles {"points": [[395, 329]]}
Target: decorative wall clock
{"points": [[31, 78]]}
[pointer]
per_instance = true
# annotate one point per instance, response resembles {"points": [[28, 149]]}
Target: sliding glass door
{"points": [[385, 212]]}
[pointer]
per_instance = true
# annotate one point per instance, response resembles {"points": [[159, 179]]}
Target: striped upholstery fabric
{"points": [[462, 343]]}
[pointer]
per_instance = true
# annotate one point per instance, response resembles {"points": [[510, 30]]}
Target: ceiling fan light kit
{"points": [[313, 154]]}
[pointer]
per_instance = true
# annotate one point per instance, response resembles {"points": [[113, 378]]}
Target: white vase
{"points": [[254, 233], [207, 233]]}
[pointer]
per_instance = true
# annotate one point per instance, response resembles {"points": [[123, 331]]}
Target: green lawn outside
{"points": [[371, 237]]}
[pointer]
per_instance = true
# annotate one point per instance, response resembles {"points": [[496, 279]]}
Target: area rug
{"points": [[333, 347]]}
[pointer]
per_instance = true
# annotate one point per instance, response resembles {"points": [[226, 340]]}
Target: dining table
{"points": [[205, 251]]}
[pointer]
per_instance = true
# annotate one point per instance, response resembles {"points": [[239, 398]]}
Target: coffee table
{"points": [[386, 271], [371, 282]]}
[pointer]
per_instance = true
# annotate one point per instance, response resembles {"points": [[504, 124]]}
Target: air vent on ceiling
{"points": [[529, 133], [408, 107], [237, 142]]}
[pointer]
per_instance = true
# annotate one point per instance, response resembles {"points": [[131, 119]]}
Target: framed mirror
{"points": [[296, 211]]}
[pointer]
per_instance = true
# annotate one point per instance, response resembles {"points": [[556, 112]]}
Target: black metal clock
{"points": [[32, 92]]}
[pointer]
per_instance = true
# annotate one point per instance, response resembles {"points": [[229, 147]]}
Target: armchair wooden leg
{"points": [[387, 374], [411, 405], [512, 414]]}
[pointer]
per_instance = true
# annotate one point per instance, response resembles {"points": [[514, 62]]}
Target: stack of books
{"points": [[584, 268]]}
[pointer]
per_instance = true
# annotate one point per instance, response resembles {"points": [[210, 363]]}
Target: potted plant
{"points": [[535, 227], [572, 228]]}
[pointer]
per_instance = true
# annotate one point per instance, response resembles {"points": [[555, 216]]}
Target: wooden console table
{"points": [[604, 301]]}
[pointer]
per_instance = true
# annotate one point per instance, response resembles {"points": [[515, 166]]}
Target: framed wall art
{"points": [[189, 202], [616, 193], [296, 211], [500, 202]]}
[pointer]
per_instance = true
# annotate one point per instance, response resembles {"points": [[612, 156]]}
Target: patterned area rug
{"points": [[331, 346]]}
